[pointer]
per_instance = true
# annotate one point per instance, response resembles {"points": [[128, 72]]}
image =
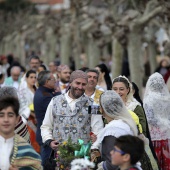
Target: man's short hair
{"points": [[34, 57], [131, 145], [14, 68], [43, 76], [8, 101], [94, 71], [8, 91]]}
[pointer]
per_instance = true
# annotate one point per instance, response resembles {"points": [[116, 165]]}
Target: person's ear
{"points": [[126, 157]]}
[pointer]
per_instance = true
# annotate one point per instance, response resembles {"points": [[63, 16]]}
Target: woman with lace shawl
{"points": [[157, 108], [123, 87], [119, 123]]}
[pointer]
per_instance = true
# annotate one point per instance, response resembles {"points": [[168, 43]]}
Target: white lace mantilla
{"points": [[157, 107]]}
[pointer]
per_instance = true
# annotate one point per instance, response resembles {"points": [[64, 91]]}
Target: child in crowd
{"points": [[127, 151], [16, 153]]}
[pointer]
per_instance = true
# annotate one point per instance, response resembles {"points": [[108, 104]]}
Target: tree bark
{"points": [[117, 54], [135, 58], [93, 53], [65, 44]]}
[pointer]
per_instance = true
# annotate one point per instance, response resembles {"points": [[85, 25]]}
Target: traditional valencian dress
{"points": [[157, 109], [21, 154]]}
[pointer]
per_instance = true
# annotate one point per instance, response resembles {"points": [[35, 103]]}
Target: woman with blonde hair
{"points": [[120, 123]]}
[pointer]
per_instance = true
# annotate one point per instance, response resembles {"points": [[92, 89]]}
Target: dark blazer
{"points": [[42, 98]]}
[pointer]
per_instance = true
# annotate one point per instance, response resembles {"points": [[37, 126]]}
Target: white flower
{"points": [[81, 164]]}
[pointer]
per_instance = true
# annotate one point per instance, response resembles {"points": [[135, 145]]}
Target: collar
{"points": [[9, 140], [61, 83], [69, 99], [46, 89]]}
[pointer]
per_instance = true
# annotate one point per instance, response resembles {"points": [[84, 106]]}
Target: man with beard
{"points": [[63, 78], [67, 114]]}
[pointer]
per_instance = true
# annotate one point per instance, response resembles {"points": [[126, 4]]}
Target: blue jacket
{"points": [[42, 98]]}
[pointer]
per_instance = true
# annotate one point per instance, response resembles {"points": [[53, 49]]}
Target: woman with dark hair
{"points": [[123, 87], [26, 94], [104, 80], [136, 93], [42, 67]]}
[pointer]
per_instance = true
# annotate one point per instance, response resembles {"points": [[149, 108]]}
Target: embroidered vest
{"points": [[67, 123]]}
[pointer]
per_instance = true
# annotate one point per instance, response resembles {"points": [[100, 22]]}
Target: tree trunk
{"points": [[152, 56], [93, 53], [51, 41], [135, 58], [65, 44], [152, 46], [117, 54]]}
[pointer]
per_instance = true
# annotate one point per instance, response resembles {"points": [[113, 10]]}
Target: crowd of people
{"points": [[41, 107]]}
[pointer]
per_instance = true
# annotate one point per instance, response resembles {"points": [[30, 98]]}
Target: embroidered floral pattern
{"points": [[75, 124]]}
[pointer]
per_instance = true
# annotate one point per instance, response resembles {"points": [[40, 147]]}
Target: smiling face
{"points": [[78, 87], [121, 89], [8, 121]]}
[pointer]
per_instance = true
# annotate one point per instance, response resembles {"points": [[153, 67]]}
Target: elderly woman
{"points": [[157, 108], [119, 121]]}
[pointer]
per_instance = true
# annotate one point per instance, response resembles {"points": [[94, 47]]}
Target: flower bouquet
{"points": [[68, 151]]}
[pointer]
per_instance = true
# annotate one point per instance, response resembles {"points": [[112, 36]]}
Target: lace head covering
{"points": [[156, 84], [131, 102], [114, 107], [78, 74], [156, 104]]}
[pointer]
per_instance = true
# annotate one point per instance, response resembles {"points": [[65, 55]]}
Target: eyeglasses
{"points": [[119, 151], [52, 79]]}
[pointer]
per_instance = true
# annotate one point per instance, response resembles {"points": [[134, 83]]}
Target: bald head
{"points": [[15, 73]]}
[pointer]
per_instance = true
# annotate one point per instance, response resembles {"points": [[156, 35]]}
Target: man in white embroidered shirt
{"points": [[67, 114]]}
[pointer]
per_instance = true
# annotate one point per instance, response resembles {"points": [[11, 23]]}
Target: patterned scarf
{"points": [[24, 156]]}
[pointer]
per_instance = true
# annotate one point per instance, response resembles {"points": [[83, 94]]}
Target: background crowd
{"points": [[51, 103]]}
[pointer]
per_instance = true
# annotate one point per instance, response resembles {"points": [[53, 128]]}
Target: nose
{"points": [[6, 118], [80, 86]]}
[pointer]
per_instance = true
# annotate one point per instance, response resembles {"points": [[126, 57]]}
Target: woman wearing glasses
{"points": [[120, 123]]}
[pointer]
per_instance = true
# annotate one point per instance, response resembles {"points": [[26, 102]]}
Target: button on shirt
{"points": [[6, 146]]}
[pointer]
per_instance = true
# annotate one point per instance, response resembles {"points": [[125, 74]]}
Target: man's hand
{"points": [[93, 137], [54, 145], [12, 167]]}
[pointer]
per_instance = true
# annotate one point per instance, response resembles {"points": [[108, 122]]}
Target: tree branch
{"points": [[144, 19]]}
